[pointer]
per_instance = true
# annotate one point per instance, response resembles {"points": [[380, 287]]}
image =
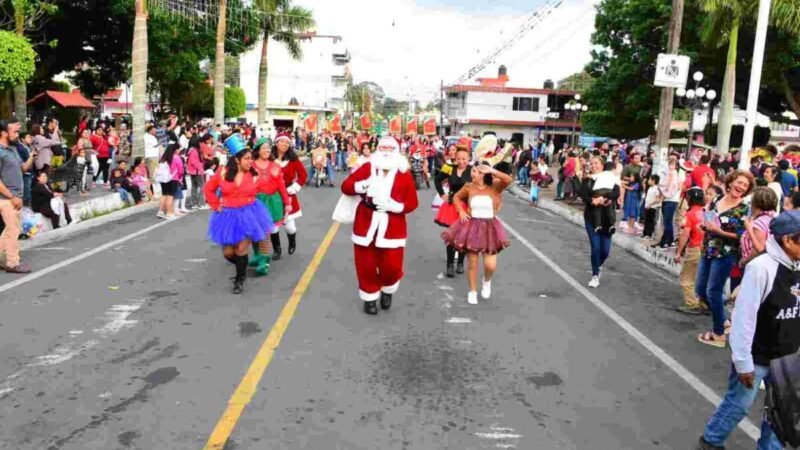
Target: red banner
{"points": [[310, 123], [366, 122], [429, 127], [336, 124], [411, 126], [396, 125]]}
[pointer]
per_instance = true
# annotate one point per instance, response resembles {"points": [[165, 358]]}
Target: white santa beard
{"points": [[388, 161]]}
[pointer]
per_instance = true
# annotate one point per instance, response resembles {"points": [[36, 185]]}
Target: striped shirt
{"points": [[759, 223]]}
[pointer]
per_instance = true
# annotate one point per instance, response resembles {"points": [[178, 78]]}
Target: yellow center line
{"points": [[247, 387]]}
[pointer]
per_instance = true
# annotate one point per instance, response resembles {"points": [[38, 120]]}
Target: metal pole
{"points": [[691, 132], [755, 83], [572, 136], [441, 107]]}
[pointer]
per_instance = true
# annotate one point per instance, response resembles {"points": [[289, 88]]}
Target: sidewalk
{"points": [[100, 206], [661, 258]]}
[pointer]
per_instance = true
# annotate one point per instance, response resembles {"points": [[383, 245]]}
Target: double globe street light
{"points": [[695, 99], [578, 108]]}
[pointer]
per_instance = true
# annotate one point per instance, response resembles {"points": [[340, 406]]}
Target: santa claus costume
{"points": [[294, 177], [450, 179], [238, 218], [387, 193], [278, 204]]}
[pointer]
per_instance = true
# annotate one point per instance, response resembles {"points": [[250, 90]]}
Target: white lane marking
{"points": [[538, 221], [48, 248], [499, 445], [465, 341], [745, 425], [116, 318], [458, 320], [47, 270], [446, 288], [198, 260]]}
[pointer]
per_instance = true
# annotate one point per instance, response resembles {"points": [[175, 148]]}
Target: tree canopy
{"points": [[17, 59]]}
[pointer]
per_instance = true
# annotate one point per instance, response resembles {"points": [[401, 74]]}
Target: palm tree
{"points": [[723, 21], [139, 75], [281, 21], [219, 65]]}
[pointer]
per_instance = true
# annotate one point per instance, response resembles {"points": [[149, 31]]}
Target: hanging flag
{"points": [[336, 123], [429, 127], [310, 123], [411, 126], [366, 122], [396, 125]]}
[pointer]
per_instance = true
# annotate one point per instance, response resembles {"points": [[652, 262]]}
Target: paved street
{"points": [[141, 346]]}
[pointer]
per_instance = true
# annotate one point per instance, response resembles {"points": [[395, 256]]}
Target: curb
{"points": [[631, 245], [65, 232]]}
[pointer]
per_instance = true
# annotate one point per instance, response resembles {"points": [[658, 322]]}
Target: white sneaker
{"points": [[472, 298], [594, 282], [161, 215], [173, 217], [486, 289], [185, 211], [205, 207]]}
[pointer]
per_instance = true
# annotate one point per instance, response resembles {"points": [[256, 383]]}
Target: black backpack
{"points": [[783, 399]]}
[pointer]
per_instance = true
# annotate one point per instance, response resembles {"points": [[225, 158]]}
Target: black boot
{"points": [[386, 300], [292, 243], [460, 264], [451, 257], [276, 246], [371, 308], [241, 273]]}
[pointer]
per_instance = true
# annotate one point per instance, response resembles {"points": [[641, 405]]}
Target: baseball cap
{"points": [[786, 223]]}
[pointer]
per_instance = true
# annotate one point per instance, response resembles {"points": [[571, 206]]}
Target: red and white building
{"points": [[514, 113]]}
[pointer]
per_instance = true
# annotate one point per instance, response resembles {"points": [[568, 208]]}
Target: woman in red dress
{"points": [[294, 177]]}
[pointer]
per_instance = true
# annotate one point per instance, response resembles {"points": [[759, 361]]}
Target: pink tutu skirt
{"points": [[478, 236]]}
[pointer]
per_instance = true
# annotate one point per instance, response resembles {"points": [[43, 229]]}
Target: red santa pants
{"points": [[378, 270]]}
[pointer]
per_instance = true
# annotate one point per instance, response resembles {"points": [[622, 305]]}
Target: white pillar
{"points": [[755, 83]]}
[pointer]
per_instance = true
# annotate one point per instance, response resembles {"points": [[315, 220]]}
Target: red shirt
{"points": [[234, 196], [100, 145], [694, 218]]}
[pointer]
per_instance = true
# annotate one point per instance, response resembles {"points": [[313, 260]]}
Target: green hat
{"points": [[261, 141]]}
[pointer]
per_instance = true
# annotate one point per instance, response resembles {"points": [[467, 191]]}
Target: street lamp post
{"points": [[694, 99], [578, 108]]}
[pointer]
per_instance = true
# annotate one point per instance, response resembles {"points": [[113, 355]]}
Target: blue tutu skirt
{"points": [[233, 225]]}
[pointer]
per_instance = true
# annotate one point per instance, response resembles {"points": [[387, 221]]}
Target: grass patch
{"points": [[88, 215]]}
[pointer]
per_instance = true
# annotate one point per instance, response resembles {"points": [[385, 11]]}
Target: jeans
{"points": [[734, 407], [601, 247], [712, 273], [668, 210], [197, 198], [27, 179], [341, 160], [560, 188], [522, 175], [328, 169]]}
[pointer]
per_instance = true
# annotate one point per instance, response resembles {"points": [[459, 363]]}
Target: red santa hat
{"points": [[283, 136]]}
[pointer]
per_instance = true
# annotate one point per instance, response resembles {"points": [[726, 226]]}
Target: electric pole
{"points": [[668, 94]]}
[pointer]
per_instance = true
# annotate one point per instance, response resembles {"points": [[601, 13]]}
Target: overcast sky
{"points": [[408, 46]]}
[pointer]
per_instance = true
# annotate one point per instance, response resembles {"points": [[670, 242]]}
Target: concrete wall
{"points": [[499, 106]]}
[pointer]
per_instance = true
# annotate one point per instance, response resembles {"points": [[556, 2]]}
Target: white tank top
{"points": [[482, 207]]}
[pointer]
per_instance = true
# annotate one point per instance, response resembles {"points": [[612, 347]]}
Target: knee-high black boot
{"points": [[451, 258], [460, 264], [241, 274], [292, 242], [230, 259], [275, 238]]}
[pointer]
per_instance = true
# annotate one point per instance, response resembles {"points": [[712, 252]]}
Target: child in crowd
{"points": [[754, 240], [791, 202], [688, 250], [533, 199], [603, 218], [139, 178], [652, 206], [633, 185]]}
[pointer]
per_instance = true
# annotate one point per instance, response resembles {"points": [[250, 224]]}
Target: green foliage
{"points": [[17, 59], [761, 135], [60, 86], [580, 82], [199, 101], [235, 102]]}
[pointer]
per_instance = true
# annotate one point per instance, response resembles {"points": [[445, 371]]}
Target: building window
{"points": [[526, 104]]}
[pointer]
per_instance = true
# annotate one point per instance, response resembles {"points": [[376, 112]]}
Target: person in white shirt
{"points": [[152, 152]]}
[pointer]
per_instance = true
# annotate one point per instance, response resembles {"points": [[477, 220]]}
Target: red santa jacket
{"points": [[294, 177], [387, 230]]}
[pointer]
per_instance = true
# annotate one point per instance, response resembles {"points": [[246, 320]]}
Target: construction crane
{"points": [[530, 23]]}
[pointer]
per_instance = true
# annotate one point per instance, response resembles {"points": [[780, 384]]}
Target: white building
{"points": [[316, 81], [515, 113]]}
